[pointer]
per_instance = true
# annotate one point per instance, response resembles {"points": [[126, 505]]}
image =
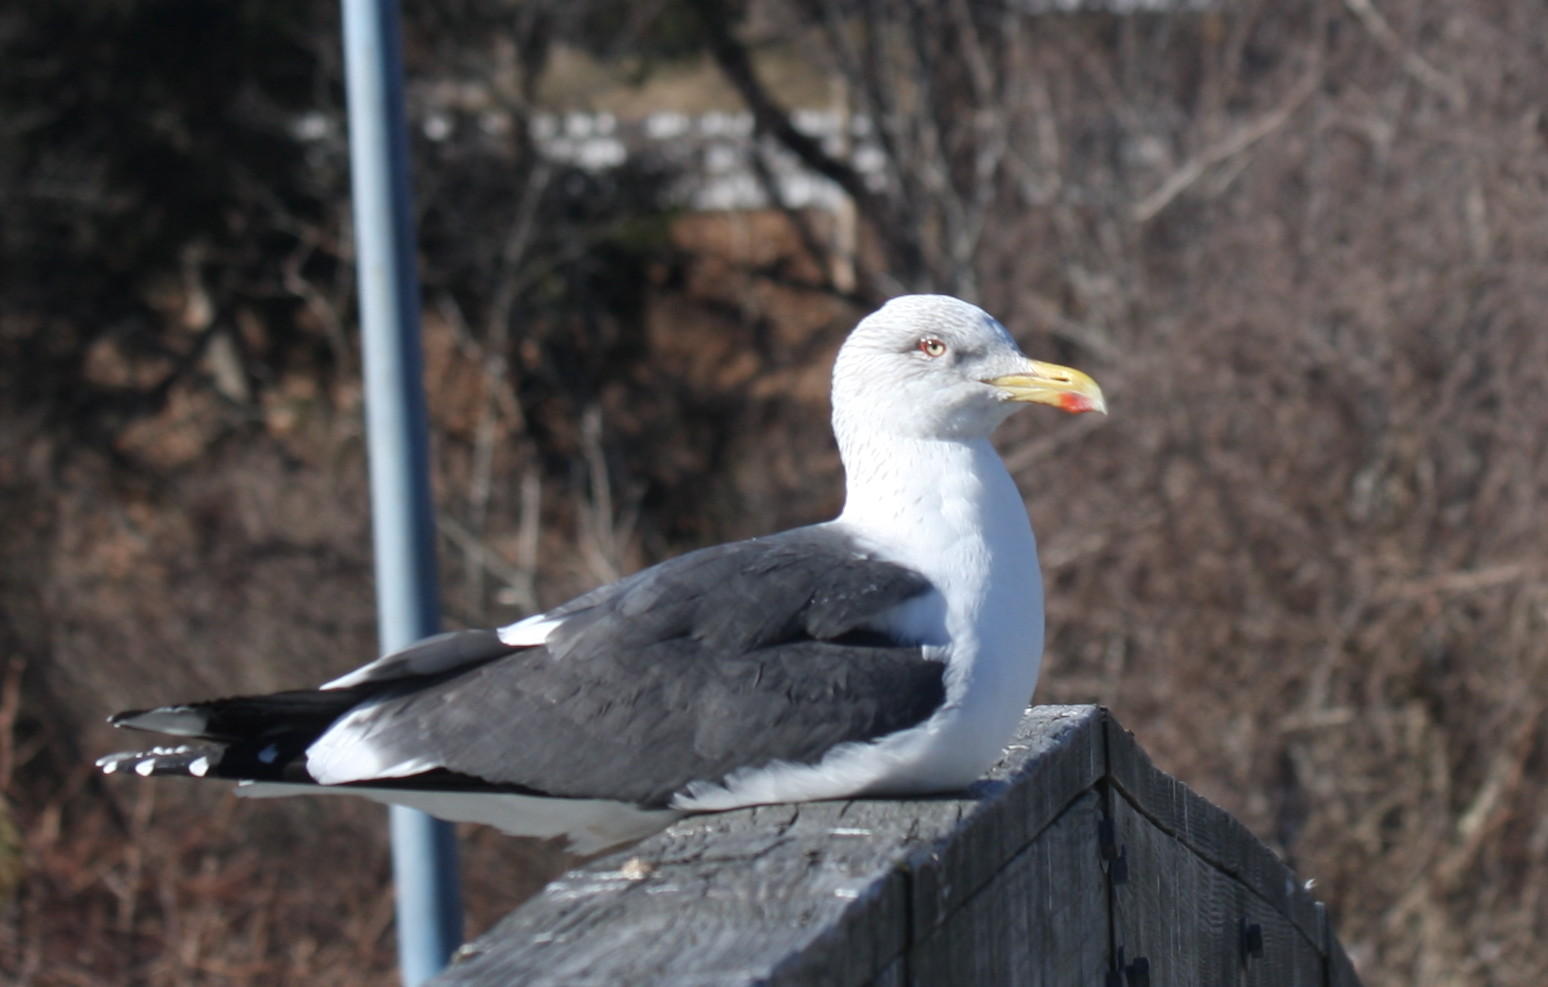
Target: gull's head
{"points": [[936, 367]]}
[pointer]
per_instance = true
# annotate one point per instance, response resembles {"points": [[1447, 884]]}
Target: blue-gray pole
{"points": [[424, 853]]}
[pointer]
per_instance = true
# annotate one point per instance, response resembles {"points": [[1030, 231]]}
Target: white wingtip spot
{"points": [[145, 767], [199, 767], [530, 631], [107, 764]]}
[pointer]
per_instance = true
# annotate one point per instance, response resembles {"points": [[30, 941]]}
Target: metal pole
{"points": [[424, 851]]}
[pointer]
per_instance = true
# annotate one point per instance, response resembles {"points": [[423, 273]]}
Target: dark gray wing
{"points": [[732, 656], [444, 652], [809, 583]]}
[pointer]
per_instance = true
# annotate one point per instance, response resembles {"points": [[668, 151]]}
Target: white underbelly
{"points": [[587, 825]]}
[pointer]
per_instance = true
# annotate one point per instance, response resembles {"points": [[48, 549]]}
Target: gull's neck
{"points": [[932, 497]]}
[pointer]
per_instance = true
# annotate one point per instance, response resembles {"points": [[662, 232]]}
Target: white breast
{"points": [[966, 530]]}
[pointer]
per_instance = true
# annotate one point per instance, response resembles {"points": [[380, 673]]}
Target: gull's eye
{"points": [[932, 347]]}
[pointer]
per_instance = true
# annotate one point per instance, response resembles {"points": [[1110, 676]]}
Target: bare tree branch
{"points": [[1231, 145], [732, 58], [1413, 63]]}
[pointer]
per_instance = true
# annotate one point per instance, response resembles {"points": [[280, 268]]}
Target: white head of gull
{"points": [[888, 651]]}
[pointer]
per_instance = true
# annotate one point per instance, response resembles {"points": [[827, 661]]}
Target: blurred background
{"points": [[1302, 246]]}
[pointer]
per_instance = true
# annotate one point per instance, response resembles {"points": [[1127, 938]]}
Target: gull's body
{"points": [[890, 651]]}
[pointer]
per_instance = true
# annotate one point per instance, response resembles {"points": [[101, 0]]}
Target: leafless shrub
{"points": [[1301, 245]]}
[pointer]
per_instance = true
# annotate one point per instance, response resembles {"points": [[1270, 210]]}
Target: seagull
{"points": [[888, 652]]}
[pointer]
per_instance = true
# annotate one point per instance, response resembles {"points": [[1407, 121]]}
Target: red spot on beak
{"points": [[1076, 403]]}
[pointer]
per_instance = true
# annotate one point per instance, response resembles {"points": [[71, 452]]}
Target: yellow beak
{"points": [[1049, 383]]}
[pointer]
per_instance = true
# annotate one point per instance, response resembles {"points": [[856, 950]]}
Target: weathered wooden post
{"points": [[1075, 862]]}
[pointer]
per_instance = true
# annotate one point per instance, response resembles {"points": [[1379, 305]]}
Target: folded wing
{"points": [[772, 649]]}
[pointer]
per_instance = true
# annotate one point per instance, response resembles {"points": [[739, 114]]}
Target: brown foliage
{"points": [[1304, 559], [1301, 246]]}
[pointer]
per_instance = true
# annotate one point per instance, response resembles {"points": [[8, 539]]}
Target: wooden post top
{"points": [[1074, 861]]}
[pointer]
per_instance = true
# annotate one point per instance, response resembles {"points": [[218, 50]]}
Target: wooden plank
{"points": [[1211, 833], [894, 974], [820, 893], [1041, 920], [754, 895], [1187, 922], [1339, 971], [1057, 754], [1004, 885]]}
